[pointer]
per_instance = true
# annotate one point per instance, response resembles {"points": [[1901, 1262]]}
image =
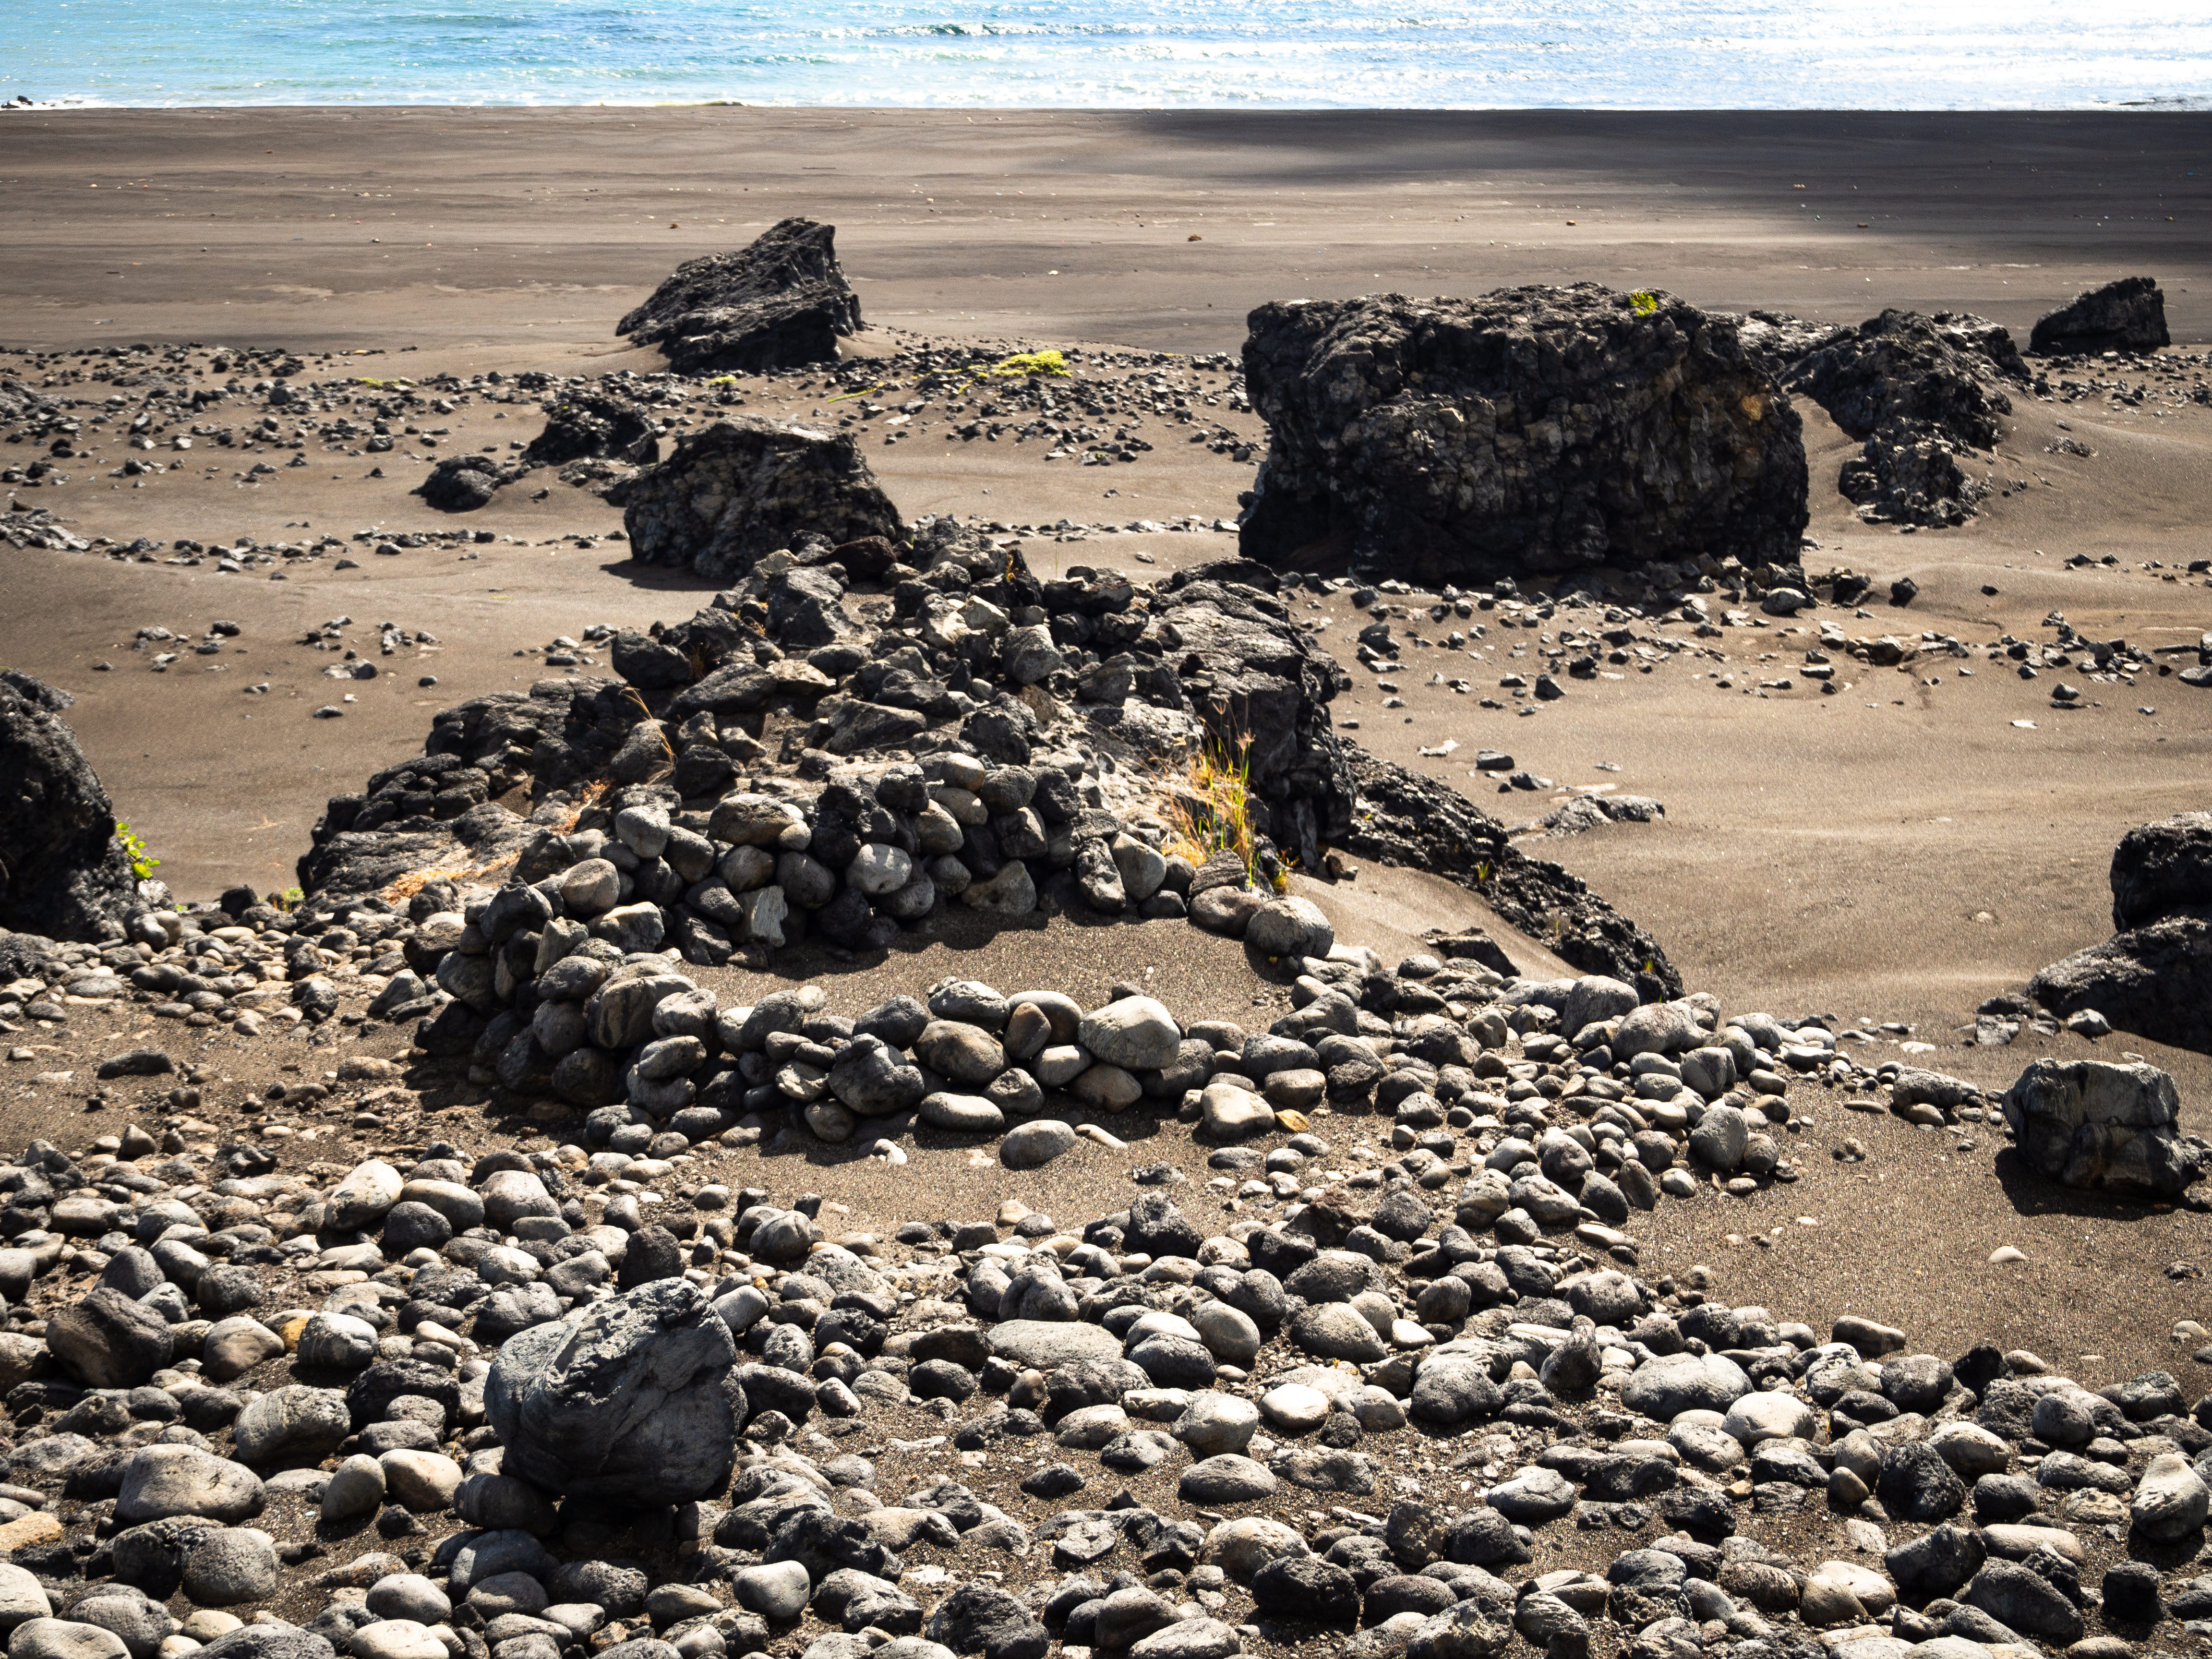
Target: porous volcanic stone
{"points": [[1531, 429], [2129, 315], [634, 1403], [741, 487], [63, 873], [781, 302]]}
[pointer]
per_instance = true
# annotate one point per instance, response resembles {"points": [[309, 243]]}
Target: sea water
{"points": [[1617, 54]]}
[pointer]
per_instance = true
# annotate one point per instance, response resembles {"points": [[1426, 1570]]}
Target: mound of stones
{"points": [[64, 872], [781, 302], [1922, 392], [743, 487], [934, 713], [2153, 976], [1532, 429], [2127, 315], [526, 1406]]}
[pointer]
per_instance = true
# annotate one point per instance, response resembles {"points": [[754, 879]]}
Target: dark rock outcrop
{"points": [[1538, 429], [781, 302], [1908, 474], [1410, 820], [743, 488], [63, 873], [2129, 315], [2156, 980], [441, 809], [1944, 372], [1920, 390], [2154, 977], [585, 425]]}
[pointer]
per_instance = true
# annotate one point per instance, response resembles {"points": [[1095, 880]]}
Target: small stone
{"points": [[1033, 1144], [1135, 1033], [2171, 1500], [968, 1115], [778, 1591], [355, 1488], [1294, 1409], [1290, 927], [1215, 1423], [1227, 1478]]}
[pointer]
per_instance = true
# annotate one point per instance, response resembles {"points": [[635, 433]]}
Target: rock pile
{"points": [[781, 302], [63, 870], [2154, 977], [576, 1419], [1534, 429], [1039, 705], [246, 965], [2127, 315]]}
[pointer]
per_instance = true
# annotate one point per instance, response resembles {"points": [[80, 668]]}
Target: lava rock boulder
{"points": [[779, 303], [2094, 1124], [1536, 430], [636, 1403], [2129, 315], [743, 488], [62, 871]]}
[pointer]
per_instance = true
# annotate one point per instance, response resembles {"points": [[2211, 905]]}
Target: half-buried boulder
{"points": [[1947, 372], [1921, 391], [2129, 315], [2161, 868], [62, 871], [1537, 429], [781, 302], [462, 484], [741, 488], [636, 1403]]}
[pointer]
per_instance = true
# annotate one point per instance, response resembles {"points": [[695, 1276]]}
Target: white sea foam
{"points": [[1619, 54]]}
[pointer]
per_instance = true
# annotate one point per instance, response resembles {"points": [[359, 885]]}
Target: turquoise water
{"points": [[1620, 54]]}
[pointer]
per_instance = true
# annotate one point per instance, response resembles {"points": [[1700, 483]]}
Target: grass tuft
{"points": [[1211, 812]]}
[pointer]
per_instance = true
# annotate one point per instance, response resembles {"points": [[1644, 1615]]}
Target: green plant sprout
{"points": [[143, 861]]}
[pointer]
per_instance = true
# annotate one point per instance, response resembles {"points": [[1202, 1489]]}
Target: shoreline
{"points": [[2116, 107]]}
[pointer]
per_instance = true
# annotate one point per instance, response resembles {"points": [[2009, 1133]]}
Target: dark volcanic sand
{"points": [[1901, 860]]}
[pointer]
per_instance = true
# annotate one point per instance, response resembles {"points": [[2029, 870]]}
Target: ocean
{"points": [[1234, 54]]}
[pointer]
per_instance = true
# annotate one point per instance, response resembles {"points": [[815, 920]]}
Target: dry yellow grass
{"points": [[1210, 805], [415, 880]]}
